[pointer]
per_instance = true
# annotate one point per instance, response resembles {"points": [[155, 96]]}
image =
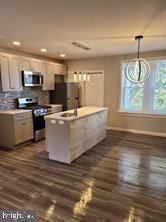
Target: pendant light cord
{"points": [[138, 47], [139, 62]]}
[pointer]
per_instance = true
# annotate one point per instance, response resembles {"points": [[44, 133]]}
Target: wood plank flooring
{"points": [[122, 179]]}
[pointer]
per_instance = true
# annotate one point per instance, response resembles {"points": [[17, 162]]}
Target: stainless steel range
{"points": [[38, 113]]}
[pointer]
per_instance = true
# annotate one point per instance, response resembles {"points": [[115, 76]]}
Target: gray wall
{"points": [[112, 70]]}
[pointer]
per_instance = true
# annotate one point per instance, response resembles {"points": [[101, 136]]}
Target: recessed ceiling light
{"points": [[62, 55], [43, 50], [16, 43]]}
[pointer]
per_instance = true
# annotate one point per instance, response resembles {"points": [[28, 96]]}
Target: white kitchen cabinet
{"points": [[59, 69], [44, 73], [35, 65], [25, 63], [47, 70], [50, 76], [12, 65], [28, 63], [10, 72], [23, 130], [27, 129], [18, 132], [16, 128]]}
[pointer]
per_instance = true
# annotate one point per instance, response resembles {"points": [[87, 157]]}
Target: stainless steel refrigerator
{"points": [[63, 93]]}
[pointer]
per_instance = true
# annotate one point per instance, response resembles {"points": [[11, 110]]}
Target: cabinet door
{"points": [[25, 63], [10, 72], [15, 72], [44, 73], [27, 129], [23, 131], [35, 65], [18, 132], [50, 76], [59, 69], [5, 73]]}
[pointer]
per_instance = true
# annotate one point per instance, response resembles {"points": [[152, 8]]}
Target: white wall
{"points": [[111, 66]]}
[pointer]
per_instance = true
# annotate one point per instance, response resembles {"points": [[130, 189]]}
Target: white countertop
{"points": [[15, 111], [55, 105], [84, 111]]}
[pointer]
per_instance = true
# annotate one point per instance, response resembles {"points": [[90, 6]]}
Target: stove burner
{"points": [[41, 111], [31, 103]]}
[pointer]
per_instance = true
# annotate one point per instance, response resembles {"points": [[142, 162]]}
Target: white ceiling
{"points": [[55, 24]]}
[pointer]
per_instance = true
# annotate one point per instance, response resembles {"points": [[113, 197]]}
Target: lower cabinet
{"points": [[16, 128], [23, 131]]}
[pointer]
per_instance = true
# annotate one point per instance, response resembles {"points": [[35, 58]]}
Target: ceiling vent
{"points": [[79, 45]]}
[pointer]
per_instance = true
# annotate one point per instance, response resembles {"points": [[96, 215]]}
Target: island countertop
{"points": [[82, 112]]}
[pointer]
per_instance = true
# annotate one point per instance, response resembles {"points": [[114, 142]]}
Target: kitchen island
{"points": [[68, 136]]}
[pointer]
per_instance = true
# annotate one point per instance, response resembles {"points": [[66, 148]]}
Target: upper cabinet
{"points": [[35, 65], [25, 63], [12, 65], [30, 64], [10, 72], [47, 70], [60, 69]]}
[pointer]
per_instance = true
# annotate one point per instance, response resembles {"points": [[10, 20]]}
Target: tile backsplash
{"points": [[8, 99]]}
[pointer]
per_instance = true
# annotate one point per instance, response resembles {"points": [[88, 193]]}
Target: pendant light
{"points": [[137, 70], [81, 76]]}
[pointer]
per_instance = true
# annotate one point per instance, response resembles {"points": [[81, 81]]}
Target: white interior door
{"points": [[94, 90]]}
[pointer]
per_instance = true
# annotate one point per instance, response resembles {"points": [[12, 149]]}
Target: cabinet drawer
{"points": [[21, 116]]}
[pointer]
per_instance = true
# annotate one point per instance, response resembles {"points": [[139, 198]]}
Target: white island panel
{"points": [[69, 137]]}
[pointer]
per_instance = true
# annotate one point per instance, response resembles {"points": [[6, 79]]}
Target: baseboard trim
{"points": [[137, 131]]}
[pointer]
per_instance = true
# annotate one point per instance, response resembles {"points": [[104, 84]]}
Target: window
{"points": [[146, 97]]}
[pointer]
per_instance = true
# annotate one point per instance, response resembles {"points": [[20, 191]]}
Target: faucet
{"points": [[75, 106]]}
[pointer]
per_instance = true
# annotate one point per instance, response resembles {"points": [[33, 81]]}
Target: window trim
{"points": [[142, 114]]}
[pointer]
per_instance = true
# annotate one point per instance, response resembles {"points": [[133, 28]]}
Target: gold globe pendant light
{"points": [[138, 69]]}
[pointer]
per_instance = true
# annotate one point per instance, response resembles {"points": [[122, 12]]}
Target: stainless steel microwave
{"points": [[30, 78]]}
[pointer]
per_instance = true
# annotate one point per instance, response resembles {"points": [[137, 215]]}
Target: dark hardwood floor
{"points": [[122, 179]]}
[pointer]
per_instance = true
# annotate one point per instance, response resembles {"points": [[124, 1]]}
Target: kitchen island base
{"points": [[68, 138]]}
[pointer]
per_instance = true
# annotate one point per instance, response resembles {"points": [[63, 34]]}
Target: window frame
{"points": [[148, 109]]}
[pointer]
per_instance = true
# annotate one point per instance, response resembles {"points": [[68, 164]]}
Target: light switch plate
{"points": [[61, 122], [53, 121]]}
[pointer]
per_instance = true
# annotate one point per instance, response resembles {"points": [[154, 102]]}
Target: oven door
{"points": [[32, 78], [39, 127]]}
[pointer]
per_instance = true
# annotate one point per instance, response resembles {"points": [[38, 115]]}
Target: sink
{"points": [[67, 114]]}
